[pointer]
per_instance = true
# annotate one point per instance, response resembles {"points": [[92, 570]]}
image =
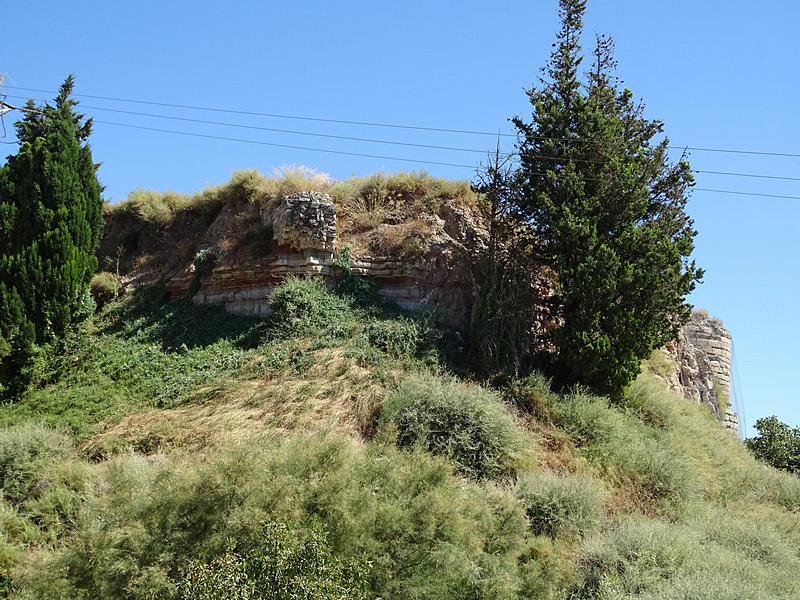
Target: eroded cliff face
{"points": [[428, 260], [301, 235], [702, 358]]}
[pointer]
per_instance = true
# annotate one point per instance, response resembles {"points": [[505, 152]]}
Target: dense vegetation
{"points": [[777, 444], [175, 451], [50, 224], [603, 206], [340, 449]]}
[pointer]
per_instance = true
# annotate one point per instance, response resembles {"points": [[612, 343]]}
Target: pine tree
{"points": [[51, 221], [607, 208]]}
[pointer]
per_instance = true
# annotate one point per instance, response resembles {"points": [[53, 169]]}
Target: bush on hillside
{"points": [[284, 564], [104, 287], [154, 524], [561, 505], [628, 451], [466, 423], [302, 306], [638, 556], [533, 396], [25, 451], [355, 312]]}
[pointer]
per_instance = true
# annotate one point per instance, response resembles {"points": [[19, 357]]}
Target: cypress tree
{"points": [[607, 208], [50, 226]]}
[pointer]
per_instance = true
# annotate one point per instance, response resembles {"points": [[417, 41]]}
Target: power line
{"points": [[389, 125], [232, 139], [731, 151], [326, 150], [276, 130], [382, 157], [274, 115], [747, 175], [746, 193], [380, 141]]}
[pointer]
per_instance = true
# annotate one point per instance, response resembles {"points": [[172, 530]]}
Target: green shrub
{"points": [[781, 489], [714, 554], [304, 306], [533, 396], [561, 505], [751, 538], [639, 555], [588, 419], [466, 423], [397, 337], [626, 449], [284, 564], [301, 306], [204, 262], [104, 287], [648, 399], [25, 452], [154, 527]]}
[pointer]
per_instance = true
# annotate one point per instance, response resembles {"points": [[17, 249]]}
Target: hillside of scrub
{"points": [[340, 449]]}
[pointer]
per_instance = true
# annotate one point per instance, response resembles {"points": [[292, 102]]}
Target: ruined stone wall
{"points": [[703, 367]]}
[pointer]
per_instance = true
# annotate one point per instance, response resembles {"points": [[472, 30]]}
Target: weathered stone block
{"points": [[305, 221]]}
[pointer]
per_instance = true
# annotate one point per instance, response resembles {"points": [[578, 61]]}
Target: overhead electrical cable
{"points": [[274, 115], [389, 142], [390, 125], [697, 189], [382, 157], [276, 130], [262, 143], [403, 159], [326, 150], [731, 174]]}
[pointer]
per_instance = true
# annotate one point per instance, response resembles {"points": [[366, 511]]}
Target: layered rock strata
{"points": [[303, 230]]}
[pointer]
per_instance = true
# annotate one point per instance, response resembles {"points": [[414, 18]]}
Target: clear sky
{"points": [[720, 74]]}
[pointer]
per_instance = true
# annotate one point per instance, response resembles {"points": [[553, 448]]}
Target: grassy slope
{"points": [[164, 442]]}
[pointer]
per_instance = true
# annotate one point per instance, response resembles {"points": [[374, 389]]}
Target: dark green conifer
{"points": [[607, 207], [50, 225]]}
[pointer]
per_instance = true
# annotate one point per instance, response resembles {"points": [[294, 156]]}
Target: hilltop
{"points": [[331, 438]]}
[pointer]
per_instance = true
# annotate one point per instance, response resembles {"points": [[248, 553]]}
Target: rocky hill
{"points": [[329, 444], [418, 238]]}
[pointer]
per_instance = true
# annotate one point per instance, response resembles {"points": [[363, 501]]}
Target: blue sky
{"points": [[719, 73]]}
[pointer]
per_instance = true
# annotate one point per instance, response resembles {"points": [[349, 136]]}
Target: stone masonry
{"points": [[703, 372], [305, 221]]}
